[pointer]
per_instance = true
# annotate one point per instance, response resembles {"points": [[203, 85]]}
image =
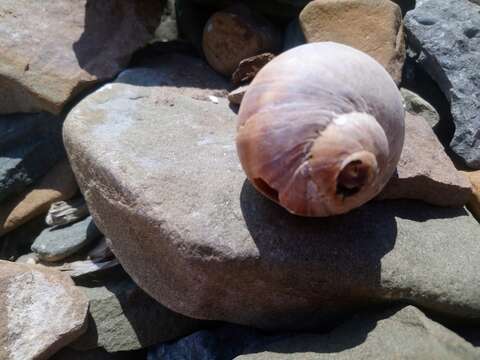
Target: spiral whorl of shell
{"points": [[321, 129]]}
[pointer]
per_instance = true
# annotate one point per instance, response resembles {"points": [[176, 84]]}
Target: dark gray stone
{"points": [[156, 161], [394, 334], [57, 243], [124, 318], [446, 35], [29, 146]]}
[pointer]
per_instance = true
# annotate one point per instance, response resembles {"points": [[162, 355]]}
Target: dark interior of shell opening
{"points": [[266, 189], [352, 178]]}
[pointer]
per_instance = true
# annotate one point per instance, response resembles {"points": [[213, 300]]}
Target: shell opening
{"points": [[266, 189], [355, 174]]}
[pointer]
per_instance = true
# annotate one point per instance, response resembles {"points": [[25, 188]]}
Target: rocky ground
{"points": [[128, 229]]}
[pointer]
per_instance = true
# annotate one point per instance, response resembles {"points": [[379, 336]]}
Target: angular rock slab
{"points": [[391, 334], [124, 318], [424, 171], [374, 27], [158, 167], [42, 311], [446, 34], [78, 44]]}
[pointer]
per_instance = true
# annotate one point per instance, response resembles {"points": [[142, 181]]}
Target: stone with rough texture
{"points": [[235, 34], [389, 334], [424, 171], [158, 167], [42, 311], [417, 105], [58, 184], [94, 41], [124, 318], [474, 201], [374, 27], [446, 36], [30, 144], [59, 242]]}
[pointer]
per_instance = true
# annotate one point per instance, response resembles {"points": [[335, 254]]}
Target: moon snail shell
{"points": [[321, 129]]}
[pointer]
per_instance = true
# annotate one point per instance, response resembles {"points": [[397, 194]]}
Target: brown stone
{"points": [[372, 26], [41, 311], [235, 34], [171, 195], [59, 184], [52, 50], [248, 68], [474, 201], [424, 171], [236, 96]]}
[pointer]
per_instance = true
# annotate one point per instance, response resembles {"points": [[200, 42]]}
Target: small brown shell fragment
{"points": [[321, 129]]}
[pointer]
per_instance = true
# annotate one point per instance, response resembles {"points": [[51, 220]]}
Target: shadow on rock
{"points": [[334, 261], [113, 31], [345, 251]]}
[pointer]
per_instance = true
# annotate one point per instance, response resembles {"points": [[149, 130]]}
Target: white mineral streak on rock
{"points": [[30, 312]]}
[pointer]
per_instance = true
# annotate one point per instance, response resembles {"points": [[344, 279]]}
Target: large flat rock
{"points": [[52, 50], [446, 34], [42, 311], [158, 167]]}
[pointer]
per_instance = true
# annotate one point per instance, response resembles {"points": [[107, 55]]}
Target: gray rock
{"points": [[394, 334], [416, 105], [29, 146], [42, 311], [124, 318], [95, 261], [158, 168], [41, 71], [57, 243], [446, 36]]}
